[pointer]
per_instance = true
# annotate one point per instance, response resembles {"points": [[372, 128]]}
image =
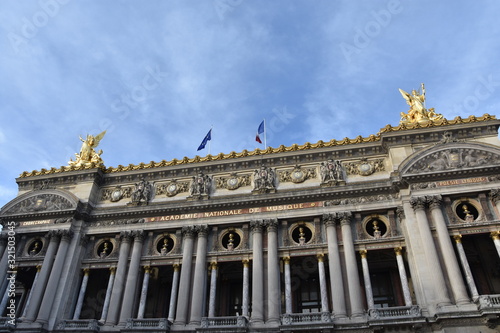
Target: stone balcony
{"points": [[150, 325], [81, 325], [488, 303], [224, 324]]}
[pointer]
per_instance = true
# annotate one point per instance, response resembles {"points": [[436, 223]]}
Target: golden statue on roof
{"points": [[88, 156], [417, 113]]}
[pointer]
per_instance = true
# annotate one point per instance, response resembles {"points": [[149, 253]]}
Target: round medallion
{"points": [[116, 195], [298, 176], [172, 190], [232, 183], [365, 169]]}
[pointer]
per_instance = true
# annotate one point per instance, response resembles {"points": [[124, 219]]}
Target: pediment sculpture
{"points": [[40, 203]]}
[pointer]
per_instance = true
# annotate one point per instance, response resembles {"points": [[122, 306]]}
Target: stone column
{"points": [[336, 282], [109, 289], [495, 235], [119, 282], [144, 292], [3, 271], [440, 289], [28, 300], [173, 293], [185, 278], [81, 294], [3, 243], [55, 274], [5, 298], [402, 276], [450, 262], [366, 277], [466, 267], [351, 265], [273, 273], [38, 290], [200, 273], [246, 288], [132, 276], [257, 274], [322, 283], [495, 197], [288, 285], [213, 289]]}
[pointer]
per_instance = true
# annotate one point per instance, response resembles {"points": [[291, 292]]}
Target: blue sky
{"points": [[158, 74]]}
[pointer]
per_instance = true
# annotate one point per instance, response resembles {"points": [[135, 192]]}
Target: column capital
{"points": [[38, 268], [495, 195], [53, 235], [286, 260], [125, 236], [398, 250], [66, 235], [138, 235], [188, 231], [345, 218], [147, 269], [495, 235], [418, 202], [84, 239], [435, 201], [246, 262], [256, 225], [329, 220], [177, 267], [363, 253], [213, 265], [202, 230], [112, 270], [86, 271], [320, 257], [458, 238], [271, 224]]}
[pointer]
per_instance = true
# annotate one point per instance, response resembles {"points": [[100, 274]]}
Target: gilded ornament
{"points": [[88, 156], [418, 113]]}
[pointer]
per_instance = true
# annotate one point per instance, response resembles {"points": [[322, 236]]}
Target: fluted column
{"points": [[322, 283], [55, 274], [39, 289], [288, 285], [144, 292], [466, 267], [132, 277], [173, 293], [451, 263], [495, 235], [213, 289], [28, 300], [402, 276], [109, 289], [185, 278], [119, 281], [273, 273], [200, 273], [440, 289], [81, 294], [351, 265], [246, 288], [366, 277], [257, 274], [336, 282]]}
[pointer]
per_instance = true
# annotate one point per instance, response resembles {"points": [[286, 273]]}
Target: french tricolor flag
{"points": [[259, 132]]}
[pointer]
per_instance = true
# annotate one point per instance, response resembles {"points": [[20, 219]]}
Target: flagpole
{"points": [[265, 134], [210, 141]]}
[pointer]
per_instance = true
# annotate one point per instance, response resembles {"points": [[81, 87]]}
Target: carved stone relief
{"points": [[297, 174], [233, 182], [41, 203], [264, 180], [115, 222], [332, 173], [359, 200], [116, 194], [364, 167], [454, 158], [172, 188], [200, 186]]}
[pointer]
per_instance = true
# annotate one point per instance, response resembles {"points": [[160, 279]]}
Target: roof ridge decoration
{"points": [[270, 150]]}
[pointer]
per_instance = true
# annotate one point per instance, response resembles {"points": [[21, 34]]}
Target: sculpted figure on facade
{"points": [[264, 180], [454, 159], [88, 155], [142, 192], [200, 185], [332, 172], [418, 113]]}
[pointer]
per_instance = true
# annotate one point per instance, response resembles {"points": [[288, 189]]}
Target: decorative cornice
{"points": [[258, 152]]}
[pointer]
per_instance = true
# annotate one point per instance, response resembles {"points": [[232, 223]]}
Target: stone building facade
{"points": [[395, 232]]}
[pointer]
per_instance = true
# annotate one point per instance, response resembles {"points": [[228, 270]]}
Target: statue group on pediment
{"points": [[455, 158], [42, 202]]}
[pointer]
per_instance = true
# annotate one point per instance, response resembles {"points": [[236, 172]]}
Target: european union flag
{"points": [[205, 140]]}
